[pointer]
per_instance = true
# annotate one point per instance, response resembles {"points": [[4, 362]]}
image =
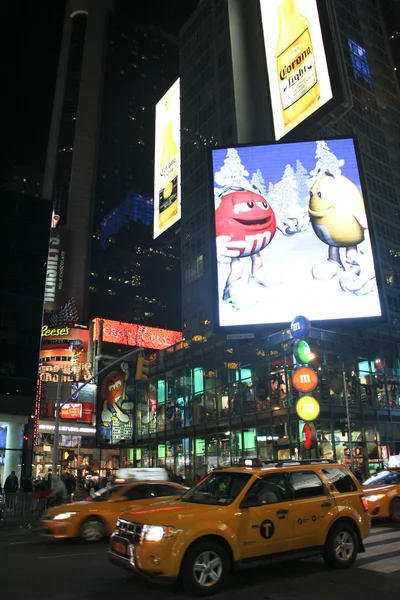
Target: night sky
{"points": [[30, 64]]}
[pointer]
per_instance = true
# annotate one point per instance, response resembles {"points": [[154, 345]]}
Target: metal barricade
{"points": [[23, 508]]}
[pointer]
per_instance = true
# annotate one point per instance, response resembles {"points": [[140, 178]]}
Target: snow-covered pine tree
{"points": [[258, 182], [286, 194], [302, 185], [232, 173], [327, 162]]}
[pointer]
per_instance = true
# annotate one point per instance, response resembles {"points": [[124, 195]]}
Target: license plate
{"points": [[121, 548]]}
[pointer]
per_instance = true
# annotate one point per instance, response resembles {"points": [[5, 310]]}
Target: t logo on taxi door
{"points": [[267, 529]]}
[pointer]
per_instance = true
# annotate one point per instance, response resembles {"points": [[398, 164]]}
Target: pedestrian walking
{"points": [[11, 483]]}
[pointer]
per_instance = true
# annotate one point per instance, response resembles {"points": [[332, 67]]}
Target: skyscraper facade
{"points": [[112, 71], [224, 89]]}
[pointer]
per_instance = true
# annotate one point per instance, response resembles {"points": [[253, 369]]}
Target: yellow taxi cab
{"points": [[94, 519], [243, 516], [383, 494]]}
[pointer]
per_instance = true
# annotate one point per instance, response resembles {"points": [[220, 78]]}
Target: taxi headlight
{"points": [[155, 533], [375, 497], [62, 516]]}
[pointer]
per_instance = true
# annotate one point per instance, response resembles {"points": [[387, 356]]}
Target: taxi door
{"points": [[313, 509], [268, 527], [137, 493]]}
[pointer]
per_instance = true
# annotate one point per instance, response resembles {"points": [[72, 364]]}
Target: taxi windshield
{"points": [[104, 493], [384, 478], [218, 488]]}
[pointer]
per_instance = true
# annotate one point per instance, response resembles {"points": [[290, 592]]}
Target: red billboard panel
{"points": [[130, 334], [71, 411]]}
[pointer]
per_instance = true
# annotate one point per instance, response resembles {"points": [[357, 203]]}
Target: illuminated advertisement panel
{"points": [[115, 396], [55, 290], [292, 234], [71, 411], [66, 348], [167, 161], [130, 334], [296, 61]]}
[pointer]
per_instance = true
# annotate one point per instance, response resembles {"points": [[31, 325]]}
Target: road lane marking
{"points": [[68, 555], [382, 530], [386, 565], [385, 549], [17, 543], [382, 537]]}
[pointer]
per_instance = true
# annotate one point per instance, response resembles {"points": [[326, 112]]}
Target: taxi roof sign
{"points": [[250, 462], [143, 474]]}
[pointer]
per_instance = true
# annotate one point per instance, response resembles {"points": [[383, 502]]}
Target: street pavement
{"points": [[35, 568]]}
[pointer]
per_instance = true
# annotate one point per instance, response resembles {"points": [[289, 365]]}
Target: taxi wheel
{"points": [[93, 530], [341, 546], [395, 510], [205, 568]]}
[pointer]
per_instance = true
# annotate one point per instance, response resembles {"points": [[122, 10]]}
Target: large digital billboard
{"points": [[167, 161], [296, 61], [115, 397], [292, 234]]}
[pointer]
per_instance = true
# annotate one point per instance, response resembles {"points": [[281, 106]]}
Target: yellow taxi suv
{"points": [[95, 519], [383, 494], [245, 516]]}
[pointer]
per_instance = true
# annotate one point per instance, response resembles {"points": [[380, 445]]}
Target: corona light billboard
{"points": [[167, 161], [298, 73], [292, 233]]}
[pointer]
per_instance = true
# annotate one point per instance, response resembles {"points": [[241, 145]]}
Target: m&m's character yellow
{"points": [[337, 215]]}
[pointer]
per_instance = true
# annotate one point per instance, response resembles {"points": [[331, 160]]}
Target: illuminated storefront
{"points": [[207, 404]]}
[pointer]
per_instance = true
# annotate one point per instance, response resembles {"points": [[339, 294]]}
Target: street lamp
{"points": [[60, 404]]}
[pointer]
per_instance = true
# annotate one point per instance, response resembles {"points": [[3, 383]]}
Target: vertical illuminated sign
{"points": [[167, 161], [296, 61], [55, 283]]}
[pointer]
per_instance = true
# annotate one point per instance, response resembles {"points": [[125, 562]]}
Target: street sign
{"points": [[240, 336]]}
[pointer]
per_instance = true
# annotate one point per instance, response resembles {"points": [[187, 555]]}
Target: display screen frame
{"points": [[257, 328]]}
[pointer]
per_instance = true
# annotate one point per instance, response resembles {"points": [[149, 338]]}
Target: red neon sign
{"points": [[130, 334]]}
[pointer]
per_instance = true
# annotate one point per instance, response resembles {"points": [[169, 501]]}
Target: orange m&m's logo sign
{"points": [[305, 379]]}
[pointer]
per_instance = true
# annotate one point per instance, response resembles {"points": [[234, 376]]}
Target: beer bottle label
{"points": [[168, 195], [297, 72]]}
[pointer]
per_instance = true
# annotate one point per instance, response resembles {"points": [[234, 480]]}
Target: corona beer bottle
{"points": [[168, 195], [297, 74]]}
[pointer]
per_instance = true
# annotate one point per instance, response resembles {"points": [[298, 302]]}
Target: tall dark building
{"points": [[99, 170], [391, 15], [132, 279], [24, 242]]}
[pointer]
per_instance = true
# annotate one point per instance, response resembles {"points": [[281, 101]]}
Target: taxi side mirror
{"points": [[251, 500]]}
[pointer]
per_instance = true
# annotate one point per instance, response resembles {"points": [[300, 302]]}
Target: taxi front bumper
{"points": [[126, 559], [56, 529]]}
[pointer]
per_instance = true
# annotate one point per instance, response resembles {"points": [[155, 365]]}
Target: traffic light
{"points": [[142, 369]]}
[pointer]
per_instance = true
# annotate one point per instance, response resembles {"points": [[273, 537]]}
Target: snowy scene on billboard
{"points": [[292, 234]]}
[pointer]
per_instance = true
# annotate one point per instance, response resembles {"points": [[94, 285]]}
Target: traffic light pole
{"points": [[346, 399], [54, 461], [60, 404]]}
